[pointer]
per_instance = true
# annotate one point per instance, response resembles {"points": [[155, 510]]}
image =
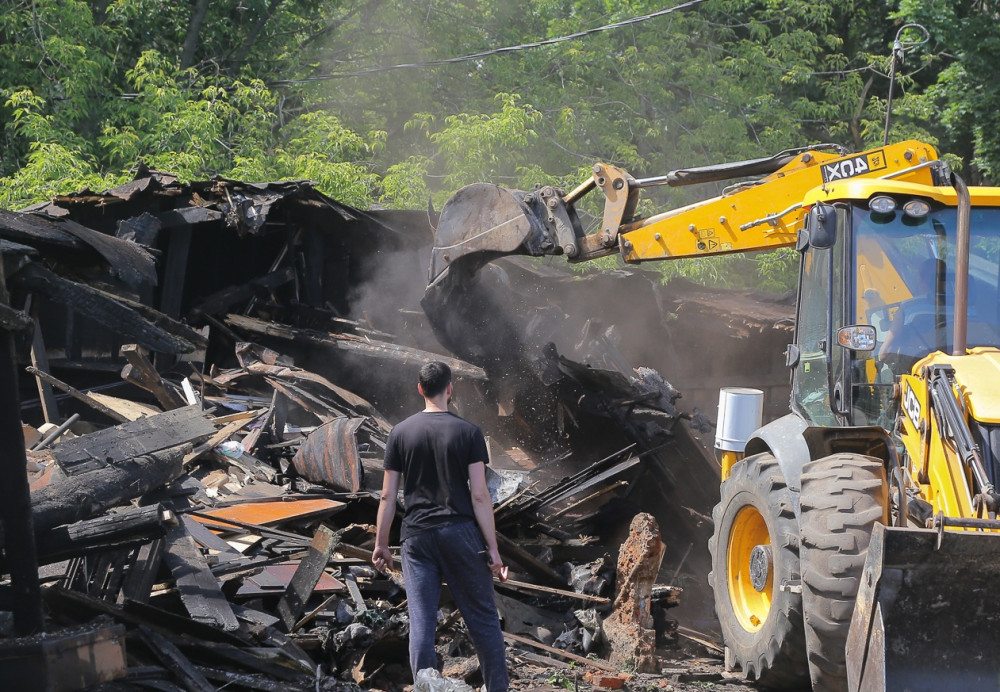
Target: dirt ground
{"points": [[681, 672]]}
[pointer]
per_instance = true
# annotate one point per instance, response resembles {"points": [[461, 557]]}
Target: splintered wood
{"points": [[630, 627]]}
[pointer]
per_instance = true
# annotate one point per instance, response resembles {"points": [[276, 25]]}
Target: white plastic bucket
{"points": [[740, 413]]}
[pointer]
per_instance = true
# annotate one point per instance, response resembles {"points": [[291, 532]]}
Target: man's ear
{"points": [[420, 389]]}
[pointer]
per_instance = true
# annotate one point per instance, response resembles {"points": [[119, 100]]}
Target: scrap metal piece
{"points": [[330, 455]]}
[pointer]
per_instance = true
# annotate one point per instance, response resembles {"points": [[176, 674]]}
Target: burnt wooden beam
{"points": [[164, 322], [100, 307], [140, 372], [131, 524], [228, 298], [12, 320], [15, 496], [73, 498], [133, 438], [379, 350]]}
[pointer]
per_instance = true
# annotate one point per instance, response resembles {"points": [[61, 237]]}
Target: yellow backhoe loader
{"points": [[855, 539]]}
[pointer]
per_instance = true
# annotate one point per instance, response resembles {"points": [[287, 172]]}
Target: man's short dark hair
{"points": [[434, 378]]}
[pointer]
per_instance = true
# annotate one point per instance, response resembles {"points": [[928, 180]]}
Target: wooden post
{"points": [[15, 498], [40, 360]]}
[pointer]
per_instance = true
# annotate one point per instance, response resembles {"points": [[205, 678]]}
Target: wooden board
{"points": [[306, 577], [199, 589], [133, 439], [132, 410]]}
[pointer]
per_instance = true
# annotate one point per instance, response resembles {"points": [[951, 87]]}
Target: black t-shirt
{"points": [[433, 451]]}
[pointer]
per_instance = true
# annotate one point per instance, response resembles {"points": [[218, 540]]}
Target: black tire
{"points": [[843, 496], [762, 628]]}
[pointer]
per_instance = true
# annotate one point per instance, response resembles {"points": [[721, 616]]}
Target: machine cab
{"points": [[881, 261]]}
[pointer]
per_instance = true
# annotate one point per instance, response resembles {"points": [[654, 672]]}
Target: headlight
{"points": [[917, 208], [882, 204]]}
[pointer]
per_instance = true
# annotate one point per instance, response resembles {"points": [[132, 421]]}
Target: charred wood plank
{"points": [[310, 403], [76, 394], [14, 320], [34, 230], [211, 541], [265, 362], [600, 665], [71, 499], [164, 322], [176, 662], [80, 606], [529, 562], [187, 216], [99, 307], [247, 681], [524, 587], [129, 261], [357, 345], [273, 663], [133, 438], [228, 298], [250, 464], [142, 572], [199, 589], [307, 574]]}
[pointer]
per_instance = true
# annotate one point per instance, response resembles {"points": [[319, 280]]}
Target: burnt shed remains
{"points": [[207, 373]]}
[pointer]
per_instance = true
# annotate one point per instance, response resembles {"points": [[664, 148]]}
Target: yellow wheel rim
{"points": [[750, 605]]}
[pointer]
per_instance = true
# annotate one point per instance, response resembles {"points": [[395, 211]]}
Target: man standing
{"points": [[448, 531]]}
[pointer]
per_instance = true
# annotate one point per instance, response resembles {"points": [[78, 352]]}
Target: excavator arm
{"points": [[482, 222]]}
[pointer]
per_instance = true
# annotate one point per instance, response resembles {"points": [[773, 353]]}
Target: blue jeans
{"points": [[456, 554]]}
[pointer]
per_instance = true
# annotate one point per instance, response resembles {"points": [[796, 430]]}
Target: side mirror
{"points": [[821, 226], [857, 337]]}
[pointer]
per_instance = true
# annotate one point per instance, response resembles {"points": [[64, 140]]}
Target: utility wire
{"points": [[495, 51]]}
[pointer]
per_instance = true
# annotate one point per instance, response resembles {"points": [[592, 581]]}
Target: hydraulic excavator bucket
{"points": [[927, 615], [484, 221]]}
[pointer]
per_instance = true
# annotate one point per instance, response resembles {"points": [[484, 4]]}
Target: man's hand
{"points": [[496, 564], [382, 558]]}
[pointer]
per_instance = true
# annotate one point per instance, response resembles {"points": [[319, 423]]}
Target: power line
{"points": [[495, 51]]}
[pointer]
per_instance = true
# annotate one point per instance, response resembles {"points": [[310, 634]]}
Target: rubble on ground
{"points": [[208, 374]]}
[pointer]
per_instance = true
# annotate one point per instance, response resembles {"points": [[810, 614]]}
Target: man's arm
{"points": [[381, 556], [482, 505]]}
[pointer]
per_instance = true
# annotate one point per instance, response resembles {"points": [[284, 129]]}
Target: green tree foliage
{"points": [[370, 99], [958, 92]]}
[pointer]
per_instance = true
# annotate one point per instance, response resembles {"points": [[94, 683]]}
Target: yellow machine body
{"points": [[893, 443]]}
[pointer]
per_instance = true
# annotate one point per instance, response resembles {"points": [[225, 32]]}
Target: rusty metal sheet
{"points": [[274, 579], [267, 513], [330, 455]]}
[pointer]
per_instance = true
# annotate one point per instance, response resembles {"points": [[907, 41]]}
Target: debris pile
{"points": [[208, 373]]}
